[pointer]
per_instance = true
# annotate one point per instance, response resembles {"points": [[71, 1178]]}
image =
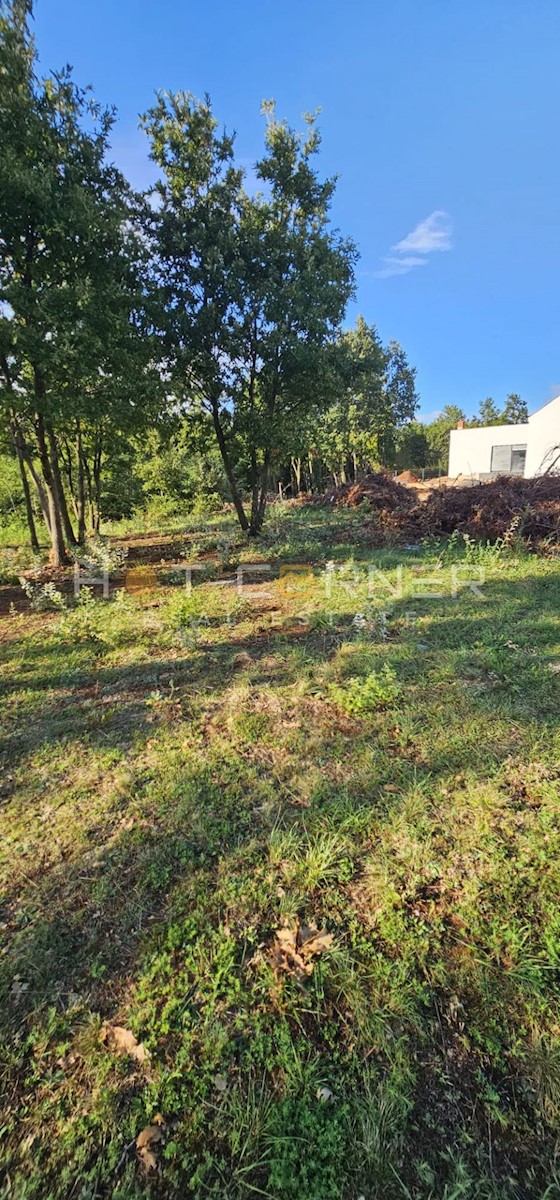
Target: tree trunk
{"points": [[66, 459], [97, 481], [27, 495], [228, 468], [59, 488], [258, 507], [19, 448], [89, 490], [43, 501], [255, 493], [58, 553], [81, 498], [310, 471]]}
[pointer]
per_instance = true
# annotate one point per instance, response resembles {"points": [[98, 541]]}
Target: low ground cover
{"points": [[280, 872]]}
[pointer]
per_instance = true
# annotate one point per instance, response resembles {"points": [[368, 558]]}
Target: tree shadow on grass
{"points": [[496, 658], [80, 935]]}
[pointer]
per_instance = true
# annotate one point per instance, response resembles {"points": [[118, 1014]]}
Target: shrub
{"points": [[43, 597], [14, 562], [99, 555]]}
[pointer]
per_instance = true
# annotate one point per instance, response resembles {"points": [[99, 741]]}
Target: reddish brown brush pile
{"points": [[408, 477], [381, 490], [529, 507]]}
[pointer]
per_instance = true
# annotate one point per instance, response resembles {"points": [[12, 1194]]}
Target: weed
{"points": [[360, 697], [43, 597], [98, 555]]}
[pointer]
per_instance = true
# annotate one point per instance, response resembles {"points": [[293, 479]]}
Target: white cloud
{"points": [[400, 266], [434, 233]]}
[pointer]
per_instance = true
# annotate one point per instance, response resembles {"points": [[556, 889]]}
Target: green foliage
{"points": [[181, 468], [489, 413], [167, 809], [412, 447], [43, 597], [99, 622], [309, 1163], [438, 434], [361, 696], [376, 397], [98, 554], [516, 411], [253, 287], [13, 562], [75, 355], [11, 497], [245, 294]]}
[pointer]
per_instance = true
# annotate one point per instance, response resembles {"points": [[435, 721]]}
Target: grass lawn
{"points": [[280, 875]]}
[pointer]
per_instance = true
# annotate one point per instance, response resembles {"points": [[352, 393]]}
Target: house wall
{"points": [[470, 450], [544, 434]]}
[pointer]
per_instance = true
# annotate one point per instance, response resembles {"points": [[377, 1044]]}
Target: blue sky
{"points": [[442, 120]]}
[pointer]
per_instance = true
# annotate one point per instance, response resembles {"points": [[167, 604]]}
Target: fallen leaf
{"points": [[146, 1142], [122, 1041], [312, 942], [294, 949]]}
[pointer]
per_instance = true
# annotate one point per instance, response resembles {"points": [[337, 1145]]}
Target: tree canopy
{"points": [[253, 287], [210, 307], [74, 349]]}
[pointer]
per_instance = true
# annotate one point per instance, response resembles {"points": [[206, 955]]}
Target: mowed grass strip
{"points": [[364, 758]]}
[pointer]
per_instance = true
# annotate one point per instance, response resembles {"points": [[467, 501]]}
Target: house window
{"points": [[508, 460], [518, 456]]}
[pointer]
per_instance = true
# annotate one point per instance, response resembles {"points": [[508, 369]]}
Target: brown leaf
{"points": [[294, 948], [312, 942], [147, 1141], [287, 938], [148, 1136], [148, 1160], [122, 1041]]}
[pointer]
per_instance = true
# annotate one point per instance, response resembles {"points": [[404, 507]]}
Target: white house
{"points": [[527, 449]]}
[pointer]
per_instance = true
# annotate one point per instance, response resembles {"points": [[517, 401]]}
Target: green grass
{"points": [[185, 775]]}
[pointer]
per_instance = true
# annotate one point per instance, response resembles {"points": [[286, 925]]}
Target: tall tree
{"points": [[438, 433], [412, 449], [489, 413], [516, 411], [253, 286], [376, 397], [348, 431], [401, 397], [71, 345]]}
